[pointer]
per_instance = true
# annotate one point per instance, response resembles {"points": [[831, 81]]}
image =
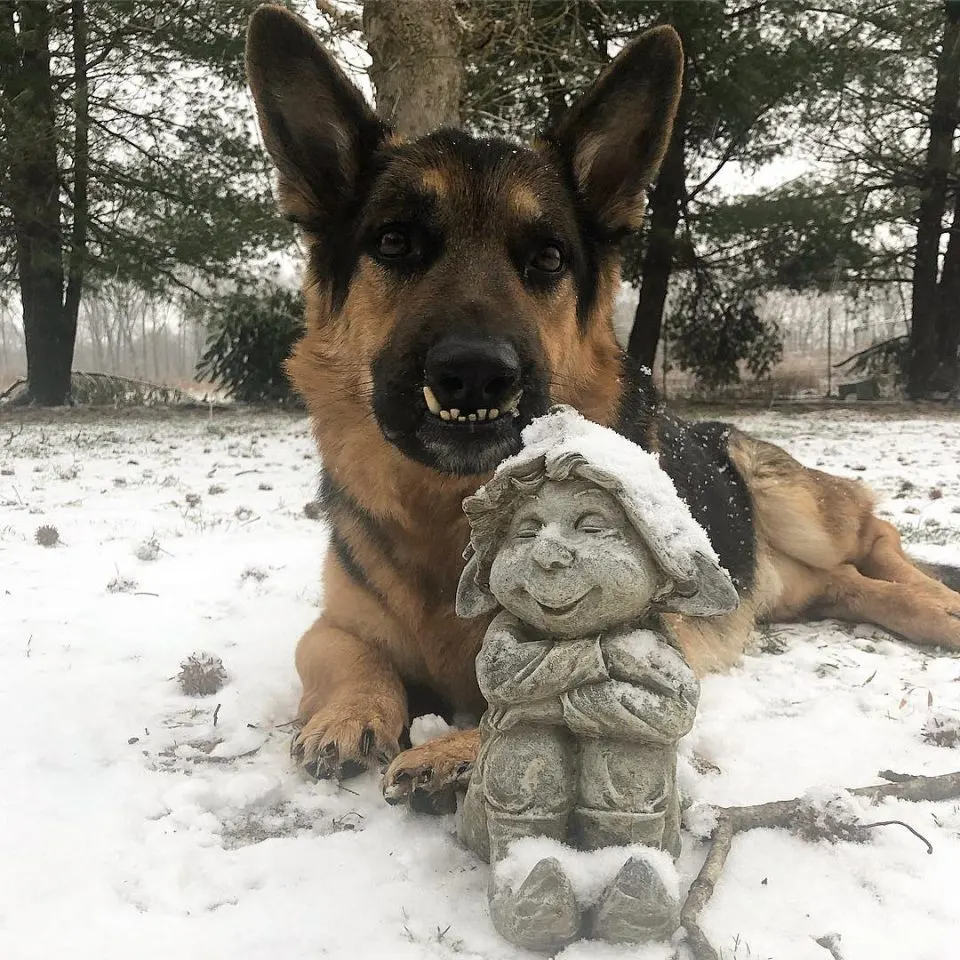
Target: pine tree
{"points": [[127, 152]]}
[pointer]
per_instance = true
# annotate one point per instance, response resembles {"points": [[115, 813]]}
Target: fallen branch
{"points": [[785, 814]]}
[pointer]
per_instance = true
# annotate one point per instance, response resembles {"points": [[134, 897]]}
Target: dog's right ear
{"points": [[315, 123]]}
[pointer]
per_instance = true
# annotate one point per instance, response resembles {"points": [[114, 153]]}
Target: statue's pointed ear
{"points": [[472, 599], [615, 135], [315, 123], [715, 592]]}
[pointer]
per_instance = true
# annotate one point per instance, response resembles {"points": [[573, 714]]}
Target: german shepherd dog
{"points": [[456, 287]]}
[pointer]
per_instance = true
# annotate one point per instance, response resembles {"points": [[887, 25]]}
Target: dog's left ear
{"points": [[615, 135]]}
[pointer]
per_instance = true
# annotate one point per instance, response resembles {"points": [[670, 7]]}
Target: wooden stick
{"points": [[783, 814]]}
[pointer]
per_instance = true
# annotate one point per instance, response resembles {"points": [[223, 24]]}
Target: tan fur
{"points": [[524, 203], [581, 364], [436, 182], [826, 554]]}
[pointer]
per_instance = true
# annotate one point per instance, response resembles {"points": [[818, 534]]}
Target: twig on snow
{"points": [[784, 813], [899, 823]]}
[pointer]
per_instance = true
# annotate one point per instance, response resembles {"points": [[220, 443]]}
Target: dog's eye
{"points": [[394, 243], [548, 259]]}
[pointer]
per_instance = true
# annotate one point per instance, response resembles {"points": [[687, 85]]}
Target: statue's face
{"points": [[572, 563]]}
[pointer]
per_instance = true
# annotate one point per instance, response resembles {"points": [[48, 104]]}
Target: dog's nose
{"points": [[473, 375]]}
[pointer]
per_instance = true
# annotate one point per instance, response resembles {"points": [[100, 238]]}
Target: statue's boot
{"points": [[636, 907], [542, 914]]}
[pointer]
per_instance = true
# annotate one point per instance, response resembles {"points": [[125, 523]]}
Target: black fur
{"points": [[695, 457], [348, 561]]}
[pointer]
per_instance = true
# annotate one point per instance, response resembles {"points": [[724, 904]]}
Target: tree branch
{"points": [[784, 814]]}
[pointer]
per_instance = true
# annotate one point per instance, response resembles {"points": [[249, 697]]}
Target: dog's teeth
{"points": [[461, 419], [493, 414], [471, 416], [481, 414], [433, 405], [454, 413], [444, 414]]}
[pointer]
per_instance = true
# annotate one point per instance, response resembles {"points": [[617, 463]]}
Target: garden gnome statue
{"points": [[582, 542]]}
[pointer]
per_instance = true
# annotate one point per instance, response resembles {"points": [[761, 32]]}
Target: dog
{"points": [[457, 287]]}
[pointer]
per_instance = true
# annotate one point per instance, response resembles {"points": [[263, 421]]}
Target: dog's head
{"points": [[458, 286]]}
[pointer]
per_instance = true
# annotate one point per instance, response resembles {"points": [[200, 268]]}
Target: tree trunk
{"points": [[34, 197], [81, 171], [416, 67], [665, 206], [948, 320], [933, 200]]}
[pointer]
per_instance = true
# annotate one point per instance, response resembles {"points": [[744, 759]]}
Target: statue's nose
{"points": [[551, 554]]}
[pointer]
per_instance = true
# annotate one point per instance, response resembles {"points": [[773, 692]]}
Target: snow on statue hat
{"points": [[564, 445]]}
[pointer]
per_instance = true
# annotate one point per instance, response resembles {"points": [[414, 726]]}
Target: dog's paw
{"points": [[428, 776], [345, 738]]}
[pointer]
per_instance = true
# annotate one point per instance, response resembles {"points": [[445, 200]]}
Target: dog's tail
{"points": [[948, 575]]}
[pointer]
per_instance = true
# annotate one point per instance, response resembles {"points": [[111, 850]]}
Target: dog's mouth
{"points": [[455, 416], [471, 442], [452, 438]]}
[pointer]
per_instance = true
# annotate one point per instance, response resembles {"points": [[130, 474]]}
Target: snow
{"points": [[646, 488], [135, 820], [428, 727]]}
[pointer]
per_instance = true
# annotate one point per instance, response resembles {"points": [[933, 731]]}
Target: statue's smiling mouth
{"points": [[558, 609]]}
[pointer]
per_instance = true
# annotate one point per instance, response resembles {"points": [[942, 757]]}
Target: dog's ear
{"points": [[615, 135], [315, 123]]}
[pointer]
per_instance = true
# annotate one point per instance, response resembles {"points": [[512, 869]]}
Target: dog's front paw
{"points": [[346, 737], [427, 776]]}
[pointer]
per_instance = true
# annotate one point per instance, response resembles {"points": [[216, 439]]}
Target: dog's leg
{"points": [[907, 609], [884, 559], [435, 767], [353, 707]]}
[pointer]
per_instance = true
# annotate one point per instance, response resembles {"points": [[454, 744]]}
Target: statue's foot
{"points": [[637, 907], [542, 914]]}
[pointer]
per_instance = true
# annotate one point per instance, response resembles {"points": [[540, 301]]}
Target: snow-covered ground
{"points": [[136, 821]]}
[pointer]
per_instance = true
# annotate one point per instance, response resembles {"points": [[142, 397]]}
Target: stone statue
{"points": [[582, 542]]}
